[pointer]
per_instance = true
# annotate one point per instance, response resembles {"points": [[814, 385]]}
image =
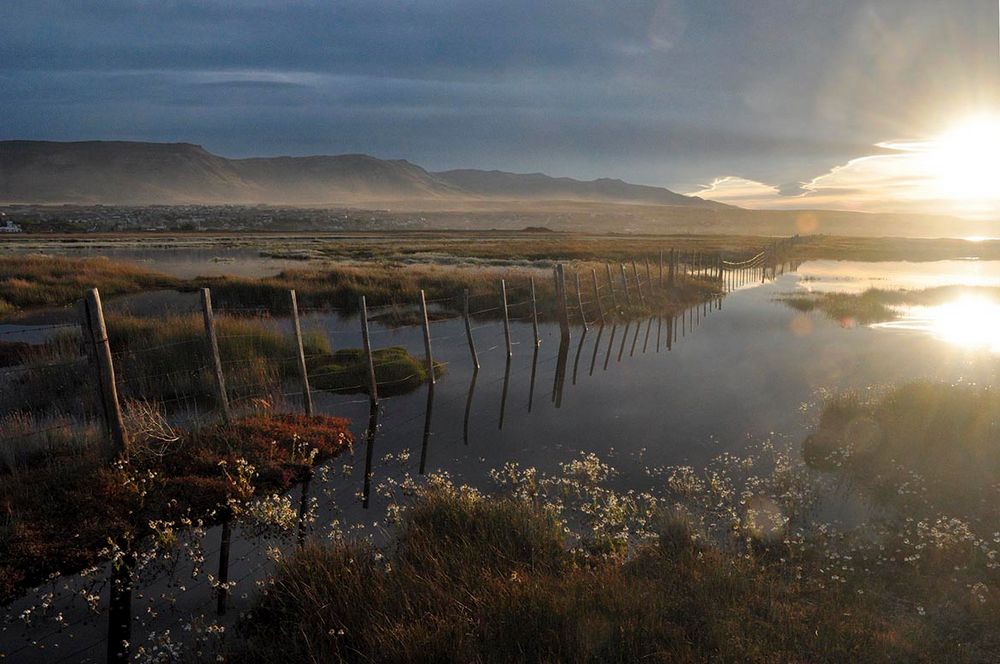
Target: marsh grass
{"points": [[396, 288], [36, 280], [471, 578], [346, 371], [943, 439], [876, 305], [67, 513]]}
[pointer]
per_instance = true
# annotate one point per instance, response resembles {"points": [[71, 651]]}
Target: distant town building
{"points": [[8, 226]]}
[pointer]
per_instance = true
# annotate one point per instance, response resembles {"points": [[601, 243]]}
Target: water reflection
{"points": [[971, 322]]}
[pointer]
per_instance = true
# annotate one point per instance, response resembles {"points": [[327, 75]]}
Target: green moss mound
{"points": [[346, 371]]}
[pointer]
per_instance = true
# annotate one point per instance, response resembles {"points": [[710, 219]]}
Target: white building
{"points": [[8, 226]]}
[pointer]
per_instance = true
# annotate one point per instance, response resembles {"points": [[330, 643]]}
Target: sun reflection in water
{"points": [[970, 322]]}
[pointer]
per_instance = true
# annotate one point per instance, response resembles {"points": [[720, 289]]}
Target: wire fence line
{"points": [[280, 370]]}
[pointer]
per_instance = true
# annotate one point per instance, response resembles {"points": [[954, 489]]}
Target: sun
{"points": [[965, 160]]}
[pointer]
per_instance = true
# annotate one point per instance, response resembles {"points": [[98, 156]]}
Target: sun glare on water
{"points": [[970, 322]]}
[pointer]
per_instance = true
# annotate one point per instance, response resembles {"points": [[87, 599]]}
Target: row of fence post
{"points": [[98, 349]]}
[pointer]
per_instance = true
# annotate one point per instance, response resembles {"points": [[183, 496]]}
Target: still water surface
{"points": [[744, 369]]}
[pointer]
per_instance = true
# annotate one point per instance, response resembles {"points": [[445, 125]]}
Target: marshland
{"points": [[631, 487]]}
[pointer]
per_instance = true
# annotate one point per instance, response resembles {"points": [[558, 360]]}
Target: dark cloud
{"points": [[658, 91]]}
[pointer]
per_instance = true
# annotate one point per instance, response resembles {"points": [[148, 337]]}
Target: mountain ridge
{"points": [[138, 173]]}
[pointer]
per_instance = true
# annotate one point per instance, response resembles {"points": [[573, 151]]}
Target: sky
{"points": [[765, 103]]}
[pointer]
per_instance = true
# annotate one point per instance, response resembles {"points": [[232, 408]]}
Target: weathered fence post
{"points": [[638, 283], [597, 295], [628, 295], [427, 339], [534, 313], [97, 333], [213, 350], [372, 383], [661, 268], [579, 301], [468, 331], [561, 297], [611, 287], [506, 317], [649, 276], [671, 269], [307, 401]]}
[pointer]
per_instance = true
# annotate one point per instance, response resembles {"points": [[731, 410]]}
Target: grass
{"points": [[944, 439], [877, 305], [35, 280], [67, 514], [165, 360], [470, 578], [346, 371]]}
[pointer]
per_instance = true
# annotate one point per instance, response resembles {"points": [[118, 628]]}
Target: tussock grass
{"points": [[346, 371], [37, 280], [470, 578], [944, 439]]}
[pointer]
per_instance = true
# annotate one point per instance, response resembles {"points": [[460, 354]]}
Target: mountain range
{"points": [[134, 173]]}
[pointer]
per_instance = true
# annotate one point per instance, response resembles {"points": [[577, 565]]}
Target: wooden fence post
{"points": [[638, 283], [561, 297], [579, 300], [468, 331], [372, 383], [611, 287], [98, 334], [628, 295], [427, 339], [506, 317], [649, 276], [534, 313], [672, 269], [213, 350], [597, 295], [307, 401]]}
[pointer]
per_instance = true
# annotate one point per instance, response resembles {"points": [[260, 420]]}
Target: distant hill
{"points": [[538, 186], [129, 173]]}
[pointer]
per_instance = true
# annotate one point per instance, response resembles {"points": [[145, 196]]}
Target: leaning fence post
{"points": [[579, 301], [611, 287], [561, 297], [638, 283], [372, 383], [98, 334], [649, 276], [534, 313], [468, 330], [427, 339], [597, 295], [307, 401], [213, 350], [506, 317], [628, 295]]}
